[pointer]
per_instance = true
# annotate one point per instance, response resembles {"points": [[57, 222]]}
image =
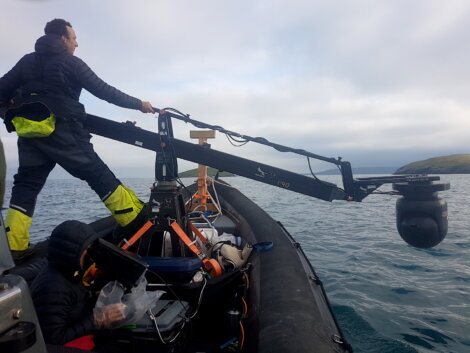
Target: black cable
{"points": [[232, 140], [239, 140], [174, 113], [315, 177], [310, 167], [166, 284]]}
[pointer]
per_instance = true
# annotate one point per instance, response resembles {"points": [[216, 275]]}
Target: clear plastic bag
{"points": [[133, 304]]}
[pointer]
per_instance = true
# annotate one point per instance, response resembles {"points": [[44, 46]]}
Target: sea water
{"points": [[386, 295]]}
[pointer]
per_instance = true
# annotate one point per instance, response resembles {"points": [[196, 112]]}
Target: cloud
{"points": [[362, 79]]}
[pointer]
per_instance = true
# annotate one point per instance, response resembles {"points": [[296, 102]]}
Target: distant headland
{"points": [[452, 164]]}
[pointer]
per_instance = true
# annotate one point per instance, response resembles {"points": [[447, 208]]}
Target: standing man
{"points": [[41, 97]]}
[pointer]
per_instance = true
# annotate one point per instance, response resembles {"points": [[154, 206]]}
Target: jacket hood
{"points": [[50, 44], [67, 243]]}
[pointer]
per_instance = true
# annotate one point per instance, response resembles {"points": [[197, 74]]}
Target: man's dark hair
{"points": [[58, 27]]}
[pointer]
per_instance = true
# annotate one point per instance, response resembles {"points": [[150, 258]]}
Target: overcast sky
{"points": [[380, 83]]}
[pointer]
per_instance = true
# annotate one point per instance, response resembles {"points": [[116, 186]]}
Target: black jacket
{"points": [[63, 305], [58, 77]]}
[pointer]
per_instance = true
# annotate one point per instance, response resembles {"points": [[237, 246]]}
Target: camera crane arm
{"points": [[353, 189], [421, 215]]}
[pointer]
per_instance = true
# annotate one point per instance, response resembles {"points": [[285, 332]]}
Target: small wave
{"points": [[402, 291], [409, 267]]}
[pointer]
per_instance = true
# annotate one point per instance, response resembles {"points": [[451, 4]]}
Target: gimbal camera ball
{"points": [[421, 214]]}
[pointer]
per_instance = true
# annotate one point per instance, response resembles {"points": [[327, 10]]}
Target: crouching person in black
{"points": [[64, 305]]}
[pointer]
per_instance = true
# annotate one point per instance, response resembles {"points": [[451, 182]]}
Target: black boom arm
{"points": [[353, 189], [421, 214], [129, 133]]}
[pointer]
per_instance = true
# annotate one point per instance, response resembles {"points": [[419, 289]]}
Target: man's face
{"points": [[70, 40]]}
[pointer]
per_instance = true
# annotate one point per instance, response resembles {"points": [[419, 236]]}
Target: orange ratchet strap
{"points": [[211, 265], [137, 236], [198, 233]]}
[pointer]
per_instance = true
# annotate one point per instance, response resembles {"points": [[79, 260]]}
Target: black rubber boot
{"points": [[20, 256]]}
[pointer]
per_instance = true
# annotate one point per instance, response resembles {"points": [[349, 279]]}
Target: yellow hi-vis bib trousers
{"points": [[17, 225], [122, 203]]}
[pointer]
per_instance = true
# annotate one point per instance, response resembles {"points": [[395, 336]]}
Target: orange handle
{"points": [[213, 267]]}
